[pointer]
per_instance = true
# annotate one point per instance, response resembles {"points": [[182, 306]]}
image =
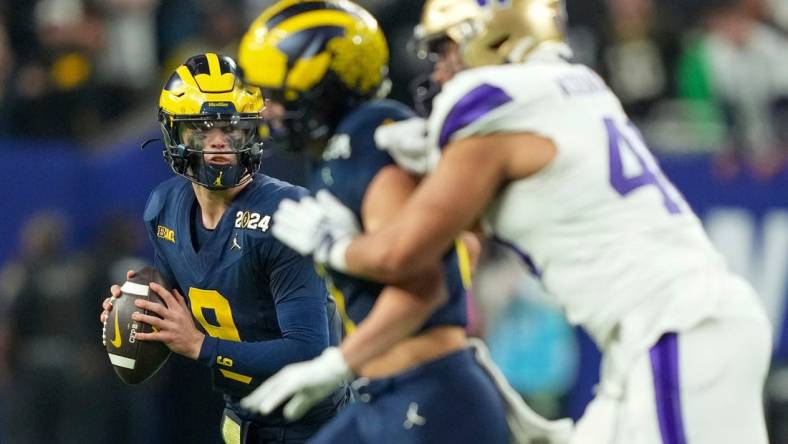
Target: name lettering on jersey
{"points": [[338, 148], [165, 233], [573, 85], [252, 221]]}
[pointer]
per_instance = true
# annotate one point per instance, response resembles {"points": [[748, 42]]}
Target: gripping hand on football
{"points": [[114, 294], [107, 306], [174, 325], [406, 142], [321, 226], [304, 384]]}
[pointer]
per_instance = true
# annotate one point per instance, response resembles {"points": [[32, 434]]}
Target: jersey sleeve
{"points": [[153, 208], [300, 300]]}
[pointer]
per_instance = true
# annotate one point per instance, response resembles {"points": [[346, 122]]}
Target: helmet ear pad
{"points": [[176, 156], [252, 159], [174, 152]]}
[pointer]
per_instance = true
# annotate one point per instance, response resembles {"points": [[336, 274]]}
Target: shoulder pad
{"points": [[158, 197], [461, 103]]}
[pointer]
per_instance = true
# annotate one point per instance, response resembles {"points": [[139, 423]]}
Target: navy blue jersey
{"points": [[350, 163], [261, 304]]}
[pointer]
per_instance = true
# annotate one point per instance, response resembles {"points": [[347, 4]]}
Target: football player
{"points": [[258, 305], [540, 149], [324, 65]]}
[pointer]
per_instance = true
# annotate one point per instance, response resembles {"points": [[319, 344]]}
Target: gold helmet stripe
{"points": [[186, 75], [215, 81], [213, 64]]}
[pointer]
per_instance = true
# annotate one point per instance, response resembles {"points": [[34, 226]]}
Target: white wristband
{"points": [[336, 257]]}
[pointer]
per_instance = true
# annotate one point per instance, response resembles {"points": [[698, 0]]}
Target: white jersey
{"points": [[608, 234]]}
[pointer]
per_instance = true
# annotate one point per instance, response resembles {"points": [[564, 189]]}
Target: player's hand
{"points": [[321, 226], [114, 294], [406, 142], [175, 326], [304, 383]]}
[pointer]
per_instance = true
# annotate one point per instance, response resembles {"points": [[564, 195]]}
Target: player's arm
{"points": [[300, 302], [399, 310], [446, 202], [396, 314]]}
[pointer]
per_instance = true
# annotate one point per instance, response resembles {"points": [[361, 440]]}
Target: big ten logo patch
{"points": [[252, 221], [165, 233]]}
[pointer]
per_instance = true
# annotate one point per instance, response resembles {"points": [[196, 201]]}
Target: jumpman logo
{"points": [[412, 417], [218, 181], [235, 245]]}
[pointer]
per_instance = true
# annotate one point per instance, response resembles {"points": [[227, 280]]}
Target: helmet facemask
{"points": [[216, 169], [443, 55], [308, 121]]}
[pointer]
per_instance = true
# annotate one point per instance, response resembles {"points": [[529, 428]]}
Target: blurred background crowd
{"points": [[705, 80], [696, 74]]}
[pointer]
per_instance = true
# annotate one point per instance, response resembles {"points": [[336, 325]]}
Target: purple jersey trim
{"points": [[526, 258], [665, 367], [476, 103]]}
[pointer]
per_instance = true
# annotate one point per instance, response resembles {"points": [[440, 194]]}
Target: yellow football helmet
{"points": [[317, 58], [491, 32], [203, 94]]}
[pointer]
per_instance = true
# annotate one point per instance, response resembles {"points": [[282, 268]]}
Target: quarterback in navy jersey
{"points": [[410, 390], [243, 303]]}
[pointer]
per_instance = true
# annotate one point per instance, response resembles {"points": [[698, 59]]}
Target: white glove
{"points": [[305, 383], [406, 142], [322, 227]]}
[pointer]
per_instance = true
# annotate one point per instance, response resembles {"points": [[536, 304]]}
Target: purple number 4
{"points": [[650, 173]]}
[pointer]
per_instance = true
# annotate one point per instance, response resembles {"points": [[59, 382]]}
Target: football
{"points": [[134, 361]]}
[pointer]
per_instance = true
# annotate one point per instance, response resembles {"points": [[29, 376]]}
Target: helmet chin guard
{"points": [[192, 165], [220, 177]]}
